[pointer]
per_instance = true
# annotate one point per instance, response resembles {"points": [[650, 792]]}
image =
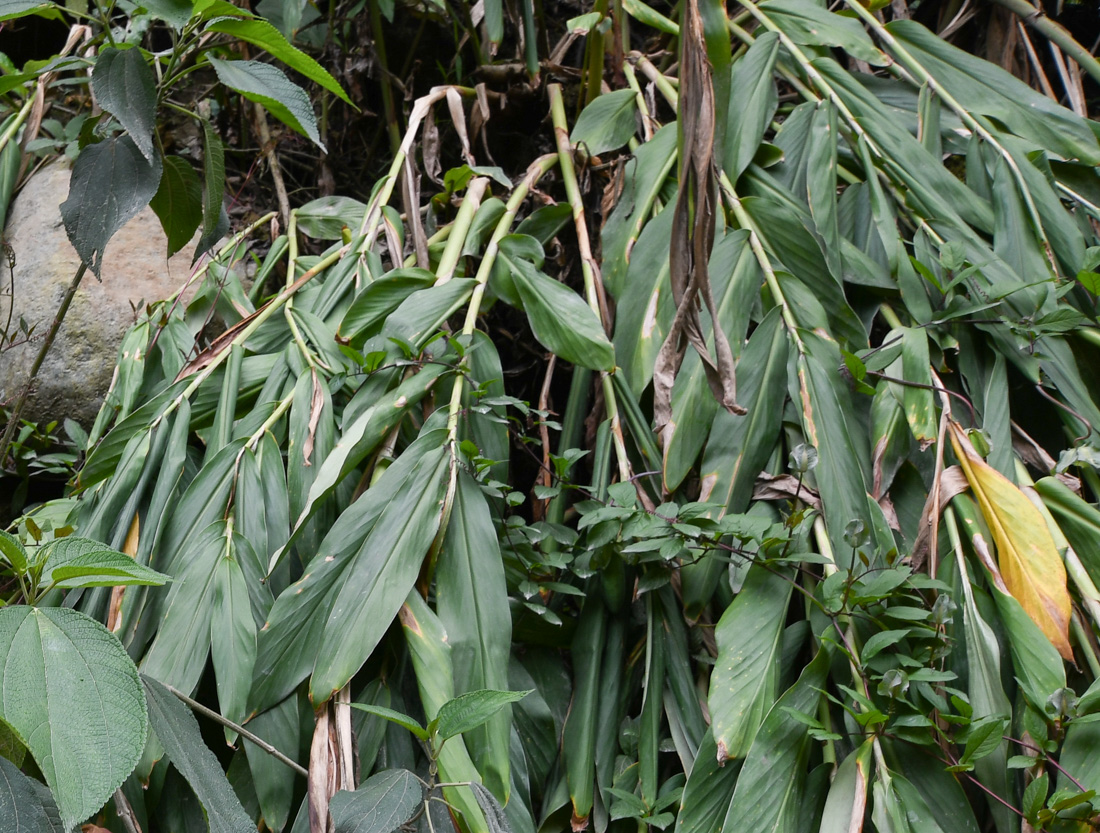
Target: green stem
{"points": [[392, 126], [592, 290], [539, 167], [17, 122], [1037, 19], [745, 222], [456, 240]]}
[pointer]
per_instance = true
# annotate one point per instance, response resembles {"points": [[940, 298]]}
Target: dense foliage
{"points": [[729, 462]]}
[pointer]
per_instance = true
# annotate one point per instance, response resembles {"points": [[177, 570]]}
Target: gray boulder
{"points": [[77, 372]]}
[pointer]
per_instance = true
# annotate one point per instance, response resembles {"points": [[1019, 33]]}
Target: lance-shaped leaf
{"points": [[178, 732], [808, 23], [753, 100], [18, 8], [431, 661], [472, 603], [746, 671], [768, 797], [385, 566], [70, 692], [847, 801], [124, 86], [178, 202], [708, 790], [470, 710], [268, 86], [111, 182], [214, 220], [267, 37], [1029, 563], [560, 319], [607, 123], [287, 643]]}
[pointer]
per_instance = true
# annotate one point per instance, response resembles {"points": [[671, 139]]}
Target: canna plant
{"points": [[794, 530]]}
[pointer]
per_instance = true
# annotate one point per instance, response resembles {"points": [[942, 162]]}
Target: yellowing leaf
{"points": [[1029, 562]]}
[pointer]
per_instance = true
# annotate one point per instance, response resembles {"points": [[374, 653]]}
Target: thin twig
{"points": [[17, 409], [126, 812], [240, 730]]}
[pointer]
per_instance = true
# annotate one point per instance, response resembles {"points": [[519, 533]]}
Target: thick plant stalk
{"points": [[43, 351], [593, 289], [1037, 19], [536, 170]]}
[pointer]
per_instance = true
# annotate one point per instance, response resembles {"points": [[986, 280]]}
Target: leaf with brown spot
{"points": [[1028, 559]]}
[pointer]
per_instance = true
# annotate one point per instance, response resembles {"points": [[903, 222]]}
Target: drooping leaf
{"points": [[214, 220], [261, 33], [269, 87], [111, 182], [1029, 562], [808, 23], [178, 732], [746, 671], [471, 601], [104, 569], [607, 123], [561, 321], [72, 694], [768, 796], [326, 217], [18, 8], [387, 564], [178, 202], [124, 86]]}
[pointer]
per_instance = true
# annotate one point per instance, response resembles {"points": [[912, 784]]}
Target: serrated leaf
{"points": [[269, 87], [267, 37], [22, 807], [381, 804], [178, 732], [607, 123], [72, 694], [105, 569], [13, 551], [214, 220], [1029, 562], [124, 86], [470, 710], [111, 182], [18, 8], [178, 202]]}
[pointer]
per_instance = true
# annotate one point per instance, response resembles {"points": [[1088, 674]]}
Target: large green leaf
{"points": [[472, 604], [381, 804], [72, 694], [269, 87], [178, 202], [708, 790], [19, 8], [805, 22], [385, 567], [607, 123], [264, 35], [753, 101], [124, 86], [560, 319], [111, 182], [431, 661], [768, 796], [746, 671], [178, 732]]}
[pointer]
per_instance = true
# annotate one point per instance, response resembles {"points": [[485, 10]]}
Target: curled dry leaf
{"points": [[1029, 563], [693, 235]]}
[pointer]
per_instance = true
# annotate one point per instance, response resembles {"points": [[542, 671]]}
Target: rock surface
{"points": [[77, 372]]}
